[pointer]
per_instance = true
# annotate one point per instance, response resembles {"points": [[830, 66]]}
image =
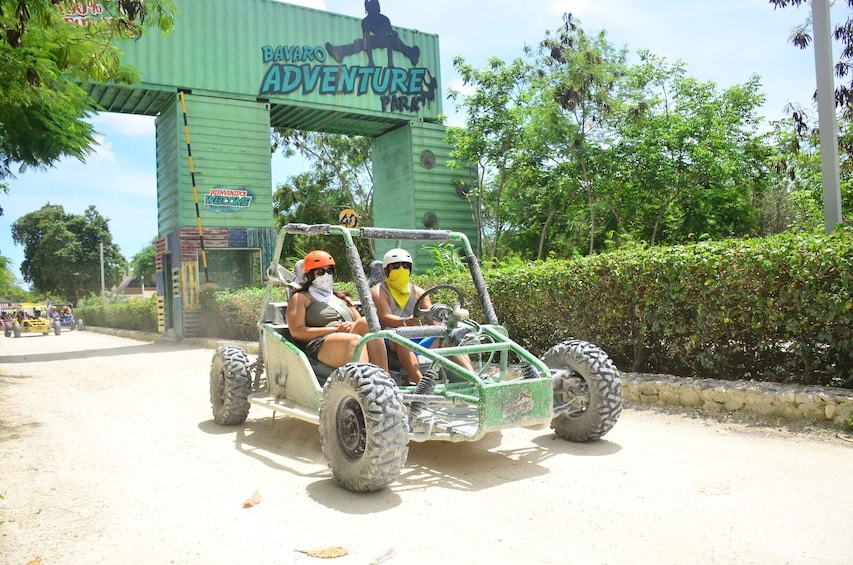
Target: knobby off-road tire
{"points": [[230, 384], [592, 385], [57, 328], [363, 428], [16, 330]]}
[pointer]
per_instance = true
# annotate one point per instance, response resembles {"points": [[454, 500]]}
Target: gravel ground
{"points": [[108, 454]]}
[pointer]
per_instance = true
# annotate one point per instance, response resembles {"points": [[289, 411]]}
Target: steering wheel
{"points": [[437, 312]]}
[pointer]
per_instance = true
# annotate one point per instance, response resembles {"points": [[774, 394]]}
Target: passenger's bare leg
{"points": [[377, 353], [338, 348], [375, 348]]}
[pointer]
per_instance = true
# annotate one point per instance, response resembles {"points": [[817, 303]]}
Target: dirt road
{"points": [[108, 455]]}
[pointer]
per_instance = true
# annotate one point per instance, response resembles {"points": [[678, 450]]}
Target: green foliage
{"points": [[144, 264], [233, 313], [579, 151], [138, 315], [45, 60], [690, 159], [492, 139], [8, 287], [339, 178], [777, 309], [445, 258], [62, 251]]}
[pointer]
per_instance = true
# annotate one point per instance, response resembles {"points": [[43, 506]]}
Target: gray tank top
{"points": [[406, 311]]}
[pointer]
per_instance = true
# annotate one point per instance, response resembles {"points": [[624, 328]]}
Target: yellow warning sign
{"points": [[348, 218]]}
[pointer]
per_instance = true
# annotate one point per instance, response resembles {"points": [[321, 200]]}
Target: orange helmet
{"points": [[317, 259]]}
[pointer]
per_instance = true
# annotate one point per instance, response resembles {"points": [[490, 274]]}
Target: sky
{"points": [[726, 42]]}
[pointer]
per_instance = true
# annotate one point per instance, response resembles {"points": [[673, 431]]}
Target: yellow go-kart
{"points": [[34, 319]]}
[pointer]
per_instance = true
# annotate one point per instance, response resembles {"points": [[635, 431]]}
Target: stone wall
{"points": [[818, 405]]}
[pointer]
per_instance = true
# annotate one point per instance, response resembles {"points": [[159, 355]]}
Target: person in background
{"points": [[324, 321]]}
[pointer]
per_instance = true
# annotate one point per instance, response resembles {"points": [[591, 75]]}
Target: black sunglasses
{"points": [[398, 264], [323, 270]]}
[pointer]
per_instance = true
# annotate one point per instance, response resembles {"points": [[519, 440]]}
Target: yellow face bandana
{"points": [[398, 283]]}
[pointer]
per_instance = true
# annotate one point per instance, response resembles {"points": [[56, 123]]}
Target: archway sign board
{"points": [[231, 70]]}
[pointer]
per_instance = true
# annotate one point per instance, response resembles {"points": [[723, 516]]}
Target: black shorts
{"points": [[312, 348]]}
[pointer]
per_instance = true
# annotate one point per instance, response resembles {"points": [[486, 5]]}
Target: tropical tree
{"points": [[492, 138], [339, 169], [689, 160], [577, 86], [339, 178], [8, 283], [577, 149], [143, 265], [62, 252], [46, 59]]}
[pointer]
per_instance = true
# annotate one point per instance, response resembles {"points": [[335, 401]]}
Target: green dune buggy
{"points": [[367, 416]]}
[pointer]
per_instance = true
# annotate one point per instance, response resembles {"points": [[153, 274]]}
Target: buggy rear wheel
{"points": [[57, 328], [16, 329], [588, 392], [230, 383], [363, 427]]}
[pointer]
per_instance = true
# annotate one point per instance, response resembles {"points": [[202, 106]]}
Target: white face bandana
{"points": [[321, 287]]}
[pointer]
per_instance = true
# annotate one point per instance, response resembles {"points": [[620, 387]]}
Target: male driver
{"points": [[395, 299]]}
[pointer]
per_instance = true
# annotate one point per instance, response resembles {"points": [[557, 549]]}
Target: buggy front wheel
{"points": [[362, 427], [587, 392]]}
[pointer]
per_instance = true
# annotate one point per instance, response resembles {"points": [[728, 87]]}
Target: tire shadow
{"points": [[484, 464], [275, 440], [293, 446]]}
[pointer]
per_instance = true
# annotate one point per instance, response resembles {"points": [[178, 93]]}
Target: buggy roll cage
{"points": [[277, 275]]}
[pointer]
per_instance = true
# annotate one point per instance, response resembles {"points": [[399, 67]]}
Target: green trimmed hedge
{"points": [[777, 309], [139, 315], [233, 313]]}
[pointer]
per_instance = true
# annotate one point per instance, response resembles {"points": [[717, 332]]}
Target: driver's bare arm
{"points": [[383, 309]]}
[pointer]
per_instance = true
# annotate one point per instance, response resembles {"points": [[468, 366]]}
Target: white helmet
{"points": [[396, 256]]}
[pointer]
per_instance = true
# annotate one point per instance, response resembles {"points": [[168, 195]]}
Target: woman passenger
{"points": [[325, 321]]}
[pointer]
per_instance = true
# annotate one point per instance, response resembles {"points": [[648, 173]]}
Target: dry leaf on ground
{"points": [[326, 552], [253, 500]]}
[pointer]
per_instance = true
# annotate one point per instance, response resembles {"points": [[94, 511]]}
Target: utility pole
{"points": [[829, 162], [102, 269]]}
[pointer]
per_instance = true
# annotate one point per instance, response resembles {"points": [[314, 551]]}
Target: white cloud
{"points": [[103, 153], [131, 125]]}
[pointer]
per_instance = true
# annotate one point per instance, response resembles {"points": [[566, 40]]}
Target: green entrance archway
{"points": [[230, 71]]}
